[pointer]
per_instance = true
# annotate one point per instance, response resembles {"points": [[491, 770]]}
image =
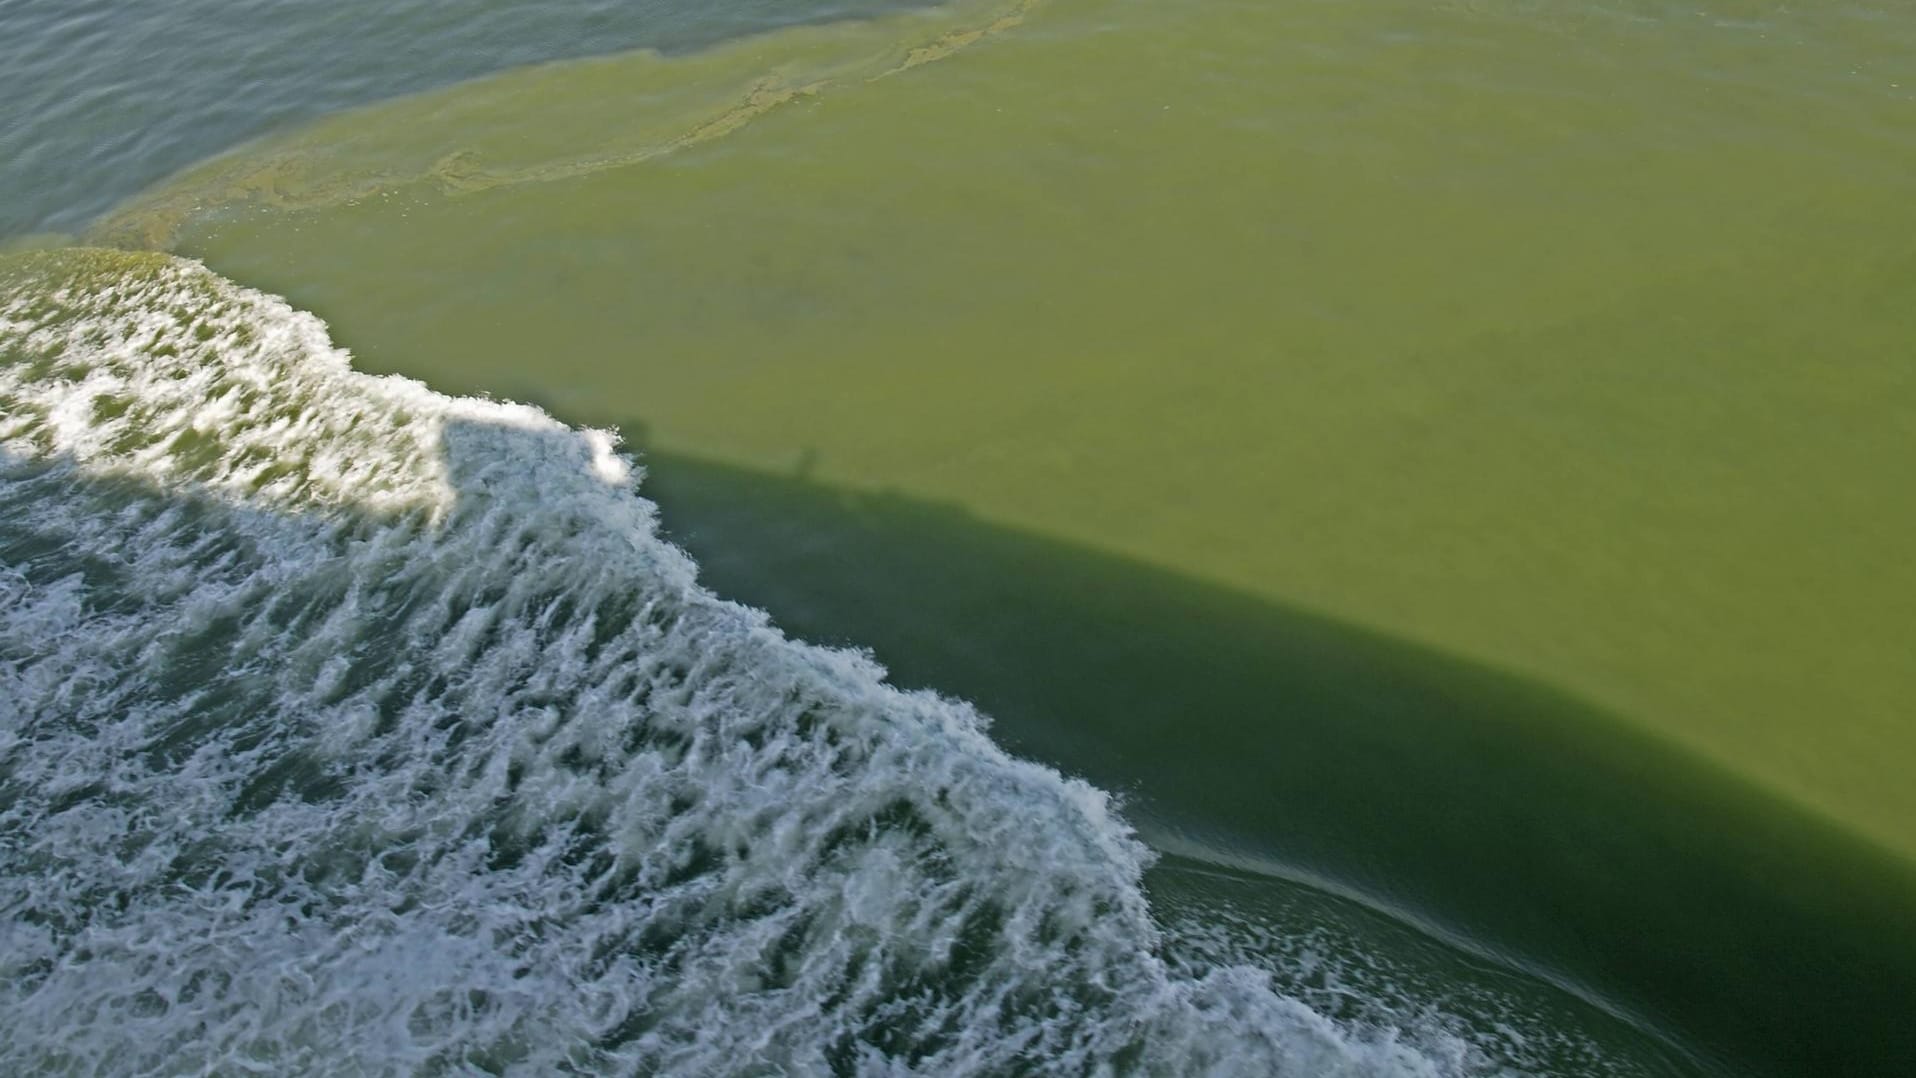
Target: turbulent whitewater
{"points": [[346, 727]]}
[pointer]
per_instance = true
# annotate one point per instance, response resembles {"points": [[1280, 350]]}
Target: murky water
{"points": [[1444, 456]]}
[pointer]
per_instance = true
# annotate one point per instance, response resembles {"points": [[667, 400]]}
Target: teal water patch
{"points": [[98, 101], [1571, 344], [1278, 743]]}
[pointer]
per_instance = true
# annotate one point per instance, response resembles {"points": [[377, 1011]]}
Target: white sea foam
{"points": [[348, 728]]}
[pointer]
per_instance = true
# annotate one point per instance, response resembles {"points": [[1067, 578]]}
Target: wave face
{"points": [[346, 727]]}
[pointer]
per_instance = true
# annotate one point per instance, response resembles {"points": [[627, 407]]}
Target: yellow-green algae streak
{"points": [[1576, 342]]}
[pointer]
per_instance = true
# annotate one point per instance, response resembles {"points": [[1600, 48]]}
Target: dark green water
{"points": [[1247, 734], [1440, 465], [1567, 341]]}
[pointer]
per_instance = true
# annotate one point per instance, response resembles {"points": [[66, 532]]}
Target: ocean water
{"points": [[352, 727], [1056, 536]]}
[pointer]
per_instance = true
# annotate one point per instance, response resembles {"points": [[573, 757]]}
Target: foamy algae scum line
{"points": [[1459, 799], [100, 101], [557, 121], [351, 727]]}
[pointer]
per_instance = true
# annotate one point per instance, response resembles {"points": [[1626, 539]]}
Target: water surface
{"points": [[1439, 463]]}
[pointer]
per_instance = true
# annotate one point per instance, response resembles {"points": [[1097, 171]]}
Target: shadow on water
{"points": [[1247, 734]]}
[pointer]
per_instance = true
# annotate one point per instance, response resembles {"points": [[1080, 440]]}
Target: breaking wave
{"points": [[346, 727]]}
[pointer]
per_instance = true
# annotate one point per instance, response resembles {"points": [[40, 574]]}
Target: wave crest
{"points": [[349, 727]]}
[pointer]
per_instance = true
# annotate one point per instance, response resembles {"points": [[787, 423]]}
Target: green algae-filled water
{"points": [[1443, 465]]}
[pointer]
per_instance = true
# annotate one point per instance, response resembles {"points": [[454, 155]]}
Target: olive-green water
{"points": [[1494, 418], [1573, 342]]}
